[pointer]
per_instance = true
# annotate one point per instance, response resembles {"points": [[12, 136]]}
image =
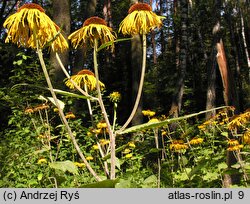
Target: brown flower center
{"points": [[139, 7], [85, 71], [31, 6], [95, 20]]}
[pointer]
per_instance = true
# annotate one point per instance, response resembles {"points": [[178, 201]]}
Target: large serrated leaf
{"points": [[152, 125], [65, 166]]}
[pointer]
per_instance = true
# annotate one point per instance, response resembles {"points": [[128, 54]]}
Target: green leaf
{"points": [[117, 162], [58, 91], [44, 149], [247, 166], [18, 62], [65, 166], [211, 176], [54, 137], [225, 134], [182, 176], [123, 184], [32, 182], [197, 168], [43, 98], [119, 149], [71, 94], [155, 150], [222, 166], [150, 182], [24, 57], [61, 104], [111, 42], [164, 122], [236, 166], [40, 177], [102, 184]]}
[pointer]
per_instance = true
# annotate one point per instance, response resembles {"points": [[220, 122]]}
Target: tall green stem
{"points": [[138, 97], [104, 113], [64, 120]]}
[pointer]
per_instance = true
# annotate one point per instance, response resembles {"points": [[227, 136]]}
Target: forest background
{"points": [[198, 60]]}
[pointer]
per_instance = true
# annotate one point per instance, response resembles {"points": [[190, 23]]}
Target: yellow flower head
{"points": [[84, 77], [126, 151], [103, 142], [95, 147], [148, 113], [70, 115], [128, 156], [80, 165], [140, 20], [196, 141], [97, 131], [102, 125], [41, 107], [233, 142], [89, 134], [246, 137], [89, 158], [153, 120], [30, 23], [178, 145], [93, 28], [131, 144], [115, 97], [163, 132], [28, 110], [40, 161], [235, 148], [239, 120]]}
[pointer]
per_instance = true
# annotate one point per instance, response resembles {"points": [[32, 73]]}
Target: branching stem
{"points": [[64, 120], [104, 113]]}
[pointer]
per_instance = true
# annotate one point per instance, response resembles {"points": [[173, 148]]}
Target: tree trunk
{"points": [[229, 93], [61, 16], [162, 36], [245, 42], [80, 55], [181, 63], [136, 60], [107, 12], [211, 88], [153, 41], [6, 9], [237, 57]]}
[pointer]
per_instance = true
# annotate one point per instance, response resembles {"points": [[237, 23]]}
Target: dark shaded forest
{"points": [[196, 60]]}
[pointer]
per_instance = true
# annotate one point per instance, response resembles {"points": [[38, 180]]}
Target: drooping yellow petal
{"points": [[30, 23], [93, 28], [84, 77], [140, 20]]}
